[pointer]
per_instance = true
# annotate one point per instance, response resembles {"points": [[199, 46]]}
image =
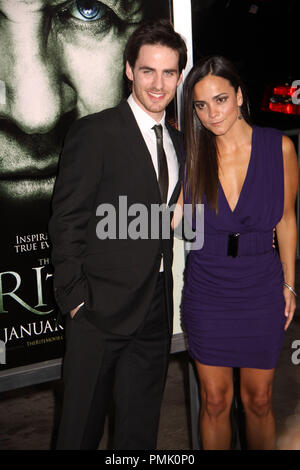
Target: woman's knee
{"points": [[257, 402], [216, 402], [216, 386]]}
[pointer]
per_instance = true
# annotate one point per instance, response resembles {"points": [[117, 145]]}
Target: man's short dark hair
{"points": [[155, 32]]}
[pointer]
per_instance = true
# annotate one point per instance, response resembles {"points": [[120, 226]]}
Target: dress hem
{"points": [[233, 366]]}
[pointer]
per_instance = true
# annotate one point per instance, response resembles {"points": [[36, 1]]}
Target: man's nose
{"points": [[158, 82], [35, 94]]}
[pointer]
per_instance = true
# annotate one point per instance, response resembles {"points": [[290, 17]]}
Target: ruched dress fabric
{"points": [[233, 307]]}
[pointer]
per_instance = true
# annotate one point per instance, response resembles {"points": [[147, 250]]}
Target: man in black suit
{"points": [[113, 277]]}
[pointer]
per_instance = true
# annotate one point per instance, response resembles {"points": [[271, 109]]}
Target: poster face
{"points": [[60, 60]]}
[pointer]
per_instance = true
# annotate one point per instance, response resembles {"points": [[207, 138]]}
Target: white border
{"points": [[182, 19]]}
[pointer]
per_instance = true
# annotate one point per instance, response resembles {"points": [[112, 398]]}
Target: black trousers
{"points": [[133, 369]]}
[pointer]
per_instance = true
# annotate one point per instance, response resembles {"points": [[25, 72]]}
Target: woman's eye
{"points": [[222, 99], [88, 10], [199, 106]]}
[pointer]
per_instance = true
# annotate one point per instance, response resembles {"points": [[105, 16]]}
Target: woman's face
{"points": [[217, 104]]}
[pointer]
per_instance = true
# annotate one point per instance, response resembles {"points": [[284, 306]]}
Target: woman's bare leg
{"points": [[216, 400], [256, 394]]}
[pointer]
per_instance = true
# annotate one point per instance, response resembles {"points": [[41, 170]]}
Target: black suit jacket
{"points": [[104, 157]]}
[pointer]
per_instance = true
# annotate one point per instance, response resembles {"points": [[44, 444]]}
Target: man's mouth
{"points": [[156, 96], [27, 170], [30, 173], [28, 182]]}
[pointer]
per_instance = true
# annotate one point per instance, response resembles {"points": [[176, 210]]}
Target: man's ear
{"points": [[129, 73], [180, 79]]}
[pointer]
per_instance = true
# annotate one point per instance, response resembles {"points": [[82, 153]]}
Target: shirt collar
{"points": [[143, 119]]}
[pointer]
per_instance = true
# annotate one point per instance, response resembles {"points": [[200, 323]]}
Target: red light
{"points": [[284, 90], [284, 108], [279, 99]]}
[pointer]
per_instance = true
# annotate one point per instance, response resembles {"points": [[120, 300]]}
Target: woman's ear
{"points": [[239, 96]]}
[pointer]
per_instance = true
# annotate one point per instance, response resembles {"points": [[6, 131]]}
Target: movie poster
{"points": [[60, 60]]}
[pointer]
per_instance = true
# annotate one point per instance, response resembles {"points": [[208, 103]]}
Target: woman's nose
{"points": [[212, 111]]}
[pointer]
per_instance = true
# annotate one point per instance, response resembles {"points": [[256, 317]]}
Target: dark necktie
{"points": [[163, 175]]}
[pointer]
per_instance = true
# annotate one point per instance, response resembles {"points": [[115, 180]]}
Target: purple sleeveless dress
{"points": [[233, 307]]}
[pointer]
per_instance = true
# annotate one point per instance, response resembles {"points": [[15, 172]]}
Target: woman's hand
{"points": [[290, 306], [178, 212]]}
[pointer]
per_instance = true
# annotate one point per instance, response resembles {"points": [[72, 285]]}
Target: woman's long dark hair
{"points": [[201, 172]]}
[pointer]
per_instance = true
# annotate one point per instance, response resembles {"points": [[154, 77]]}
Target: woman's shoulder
{"points": [[269, 138], [271, 133], [268, 131], [287, 144]]}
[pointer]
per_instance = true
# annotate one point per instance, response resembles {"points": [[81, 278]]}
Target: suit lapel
{"points": [[137, 145], [140, 152]]}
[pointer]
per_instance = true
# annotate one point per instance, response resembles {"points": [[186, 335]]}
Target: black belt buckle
{"points": [[233, 244]]}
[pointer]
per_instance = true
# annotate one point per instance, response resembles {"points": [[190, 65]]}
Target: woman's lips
{"points": [[215, 123]]}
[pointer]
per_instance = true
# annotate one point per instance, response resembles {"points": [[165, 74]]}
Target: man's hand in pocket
{"points": [[75, 310]]}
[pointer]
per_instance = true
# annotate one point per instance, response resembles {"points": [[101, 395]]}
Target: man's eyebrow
{"points": [[45, 3], [40, 4], [125, 10], [145, 67]]}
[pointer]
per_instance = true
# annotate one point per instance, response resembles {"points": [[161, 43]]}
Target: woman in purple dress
{"points": [[239, 293]]}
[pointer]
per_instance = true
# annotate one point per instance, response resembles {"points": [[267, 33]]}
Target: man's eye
{"points": [[88, 10], [84, 10]]}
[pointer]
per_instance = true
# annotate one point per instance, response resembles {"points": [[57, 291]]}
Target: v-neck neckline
{"points": [[232, 211]]}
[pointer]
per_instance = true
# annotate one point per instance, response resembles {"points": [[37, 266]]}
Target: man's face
{"points": [[59, 60], [155, 77]]}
